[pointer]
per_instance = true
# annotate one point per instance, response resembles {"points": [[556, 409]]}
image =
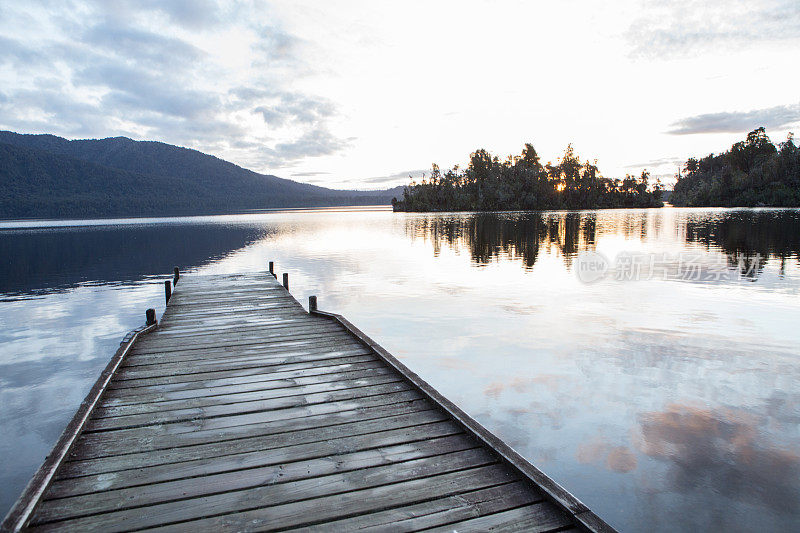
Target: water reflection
{"points": [[491, 236], [664, 406], [724, 450], [750, 239], [765, 233], [38, 261]]}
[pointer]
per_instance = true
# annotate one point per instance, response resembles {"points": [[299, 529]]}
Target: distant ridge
{"points": [[45, 176]]}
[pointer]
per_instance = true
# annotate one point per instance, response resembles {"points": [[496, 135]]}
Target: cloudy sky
{"points": [[362, 94]]}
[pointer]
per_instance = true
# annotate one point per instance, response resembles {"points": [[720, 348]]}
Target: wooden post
{"points": [[151, 316], [176, 276], [272, 267], [167, 290], [312, 304], [286, 280]]}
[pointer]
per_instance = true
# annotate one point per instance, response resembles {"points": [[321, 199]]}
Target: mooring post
{"points": [[167, 290], [150, 314], [312, 304], [176, 276], [272, 268], [286, 280]]}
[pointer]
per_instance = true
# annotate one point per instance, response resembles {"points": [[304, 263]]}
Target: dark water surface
{"points": [[665, 394]]}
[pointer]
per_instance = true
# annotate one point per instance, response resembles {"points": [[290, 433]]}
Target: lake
{"points": [[647, 360]]}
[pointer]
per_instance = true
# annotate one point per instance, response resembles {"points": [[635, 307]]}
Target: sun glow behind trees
{"points": [[522, 182]]}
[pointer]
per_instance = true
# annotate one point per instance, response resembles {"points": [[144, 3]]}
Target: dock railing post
{"points": [[167, 290], [312, 304], [286, 280], [272, 269], [176, 276], [150, 314]]}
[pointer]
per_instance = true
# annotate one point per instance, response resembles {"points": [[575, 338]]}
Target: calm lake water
{"points": [[665, 394]]}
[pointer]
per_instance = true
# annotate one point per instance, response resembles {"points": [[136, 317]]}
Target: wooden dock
{"points": [[242, 411]]}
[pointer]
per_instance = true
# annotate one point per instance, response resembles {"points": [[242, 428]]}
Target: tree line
{"points": [[523, 183], [754, 172], [749, 238]]}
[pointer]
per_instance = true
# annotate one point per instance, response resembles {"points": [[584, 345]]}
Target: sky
{"points": [[365, 94]]}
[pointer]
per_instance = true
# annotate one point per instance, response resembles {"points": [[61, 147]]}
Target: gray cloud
{"points": [[686, 27], [17, 53], [190, 14], [276, 47], [655, 163], [151, 50], [287, 108], [398, 177], [108, 72], [135, 90], [737, 121], [309, 174], [313, 143]]}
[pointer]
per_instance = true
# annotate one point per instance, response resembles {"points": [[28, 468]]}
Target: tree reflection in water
{"points": [[750, 239]]}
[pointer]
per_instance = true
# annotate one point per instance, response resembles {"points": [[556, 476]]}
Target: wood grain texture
{"points": [[241, 411]]}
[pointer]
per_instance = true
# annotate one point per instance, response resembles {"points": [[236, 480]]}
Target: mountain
{"points": [[49, 176]]}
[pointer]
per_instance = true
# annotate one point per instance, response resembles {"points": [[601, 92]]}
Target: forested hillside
{"points": [[48, 176], [754, 172]]}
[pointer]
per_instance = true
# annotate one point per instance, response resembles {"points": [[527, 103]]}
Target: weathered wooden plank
{"points": [[438, 512], [278, 494], [187, 314], [200, 358], [94, 471], [232, 341], [190, 304], [363, 500], [208, 300], [252, 339], [185, 308], [298, 347], [21, 511], [239, 408], [255, 470], [264, 293], [244, 315], [223, 287], [206, 326], [250, 402], [211, 286], [248, 371], [190, 310], [213, 365], [255, 343], [282, 420], [555, 492], [242, 396], [134, 388], [97, 445], [534, 518], [187, 372], [237, 333], [242, 411], [274, 317], [113, 399], [233, 291], [256, 294]]}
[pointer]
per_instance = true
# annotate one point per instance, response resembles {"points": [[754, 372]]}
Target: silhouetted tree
{"points": [[753, 172], [523, 183]]}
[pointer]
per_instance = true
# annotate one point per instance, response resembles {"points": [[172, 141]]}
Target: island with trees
{"points": [[753, 173], [524, 183]]}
